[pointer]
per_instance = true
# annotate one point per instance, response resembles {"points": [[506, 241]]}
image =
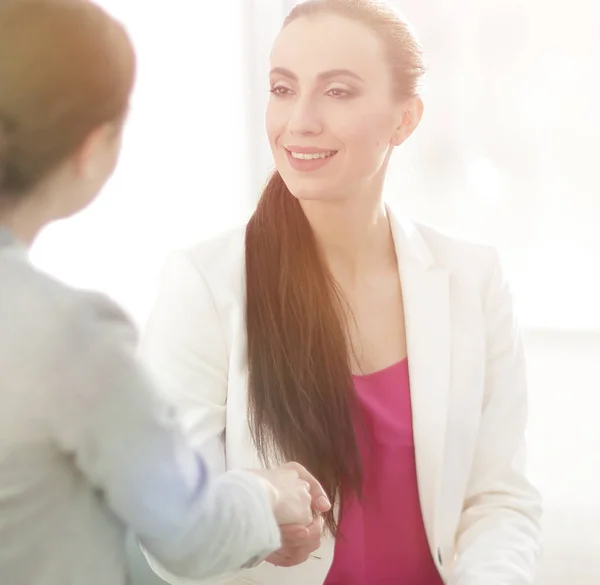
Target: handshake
{"points": [[298, 500]]}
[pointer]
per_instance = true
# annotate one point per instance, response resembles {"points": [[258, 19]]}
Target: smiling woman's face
{"points": [[332, 117]]}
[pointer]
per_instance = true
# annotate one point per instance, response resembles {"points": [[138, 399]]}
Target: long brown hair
{"points": [[66, 68], [302, 405]]}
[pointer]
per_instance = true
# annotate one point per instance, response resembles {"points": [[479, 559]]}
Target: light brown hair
{"points": [[302, 405], [66, 68]]}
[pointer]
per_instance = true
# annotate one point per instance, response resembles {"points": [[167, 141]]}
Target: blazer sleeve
{"points": [[498, 540], [125, 440]]}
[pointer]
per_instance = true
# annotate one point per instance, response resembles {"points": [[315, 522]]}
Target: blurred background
{"points": [[508, 153]]}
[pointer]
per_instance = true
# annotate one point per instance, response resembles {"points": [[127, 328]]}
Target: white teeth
{"points": [[305, 156]]}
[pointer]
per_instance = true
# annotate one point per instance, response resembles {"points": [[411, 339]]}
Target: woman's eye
{"points": [[338, 93], [280, 90]]}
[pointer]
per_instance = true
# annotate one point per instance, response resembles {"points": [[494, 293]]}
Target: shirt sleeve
{"points": [[104, 412]]}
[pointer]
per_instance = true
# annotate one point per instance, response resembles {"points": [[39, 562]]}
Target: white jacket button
{"points": [[439, 556]]}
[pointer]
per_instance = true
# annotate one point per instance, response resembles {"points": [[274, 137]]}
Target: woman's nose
{"points": [[305, 118]]}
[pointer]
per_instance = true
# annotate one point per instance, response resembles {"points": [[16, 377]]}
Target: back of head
{"points": [[66, 68]]}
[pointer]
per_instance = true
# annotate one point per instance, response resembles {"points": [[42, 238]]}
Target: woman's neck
{"points": [[355, 236], [26, 219]]}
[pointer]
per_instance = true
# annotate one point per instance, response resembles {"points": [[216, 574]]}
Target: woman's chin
{"points": [[310, 189]]}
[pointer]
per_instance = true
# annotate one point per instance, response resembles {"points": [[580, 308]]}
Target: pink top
{"points": [[382, 538]]}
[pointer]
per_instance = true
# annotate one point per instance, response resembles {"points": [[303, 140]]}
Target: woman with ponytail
{"points": [[379, 353]]}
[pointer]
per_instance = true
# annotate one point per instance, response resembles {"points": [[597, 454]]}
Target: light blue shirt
{"points": [[88, 450]]}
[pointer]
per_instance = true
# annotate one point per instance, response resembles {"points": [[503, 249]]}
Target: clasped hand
{"points": [[300, 501]]}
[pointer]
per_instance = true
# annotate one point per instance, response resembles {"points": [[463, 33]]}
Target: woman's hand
{"points": [[296, 494], [299, 542]]}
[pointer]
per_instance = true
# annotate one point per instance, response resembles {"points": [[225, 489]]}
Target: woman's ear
{"points": [[85, 154], [411, 114]]}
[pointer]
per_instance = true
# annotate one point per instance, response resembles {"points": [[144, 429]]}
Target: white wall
{"points": [[564, 379]]}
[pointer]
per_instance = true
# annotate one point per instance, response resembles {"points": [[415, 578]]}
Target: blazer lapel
{"points": [[425, 290]]}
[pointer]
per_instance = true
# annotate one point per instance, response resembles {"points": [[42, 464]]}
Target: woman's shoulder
{"points": [[48, 322], [51, 304], [212, 252], [452, 248], [218, 262], [217, 253], [471, 265], [453, 253]]}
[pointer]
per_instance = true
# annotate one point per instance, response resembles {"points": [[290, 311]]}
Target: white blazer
{"points": [[468, 391]]}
